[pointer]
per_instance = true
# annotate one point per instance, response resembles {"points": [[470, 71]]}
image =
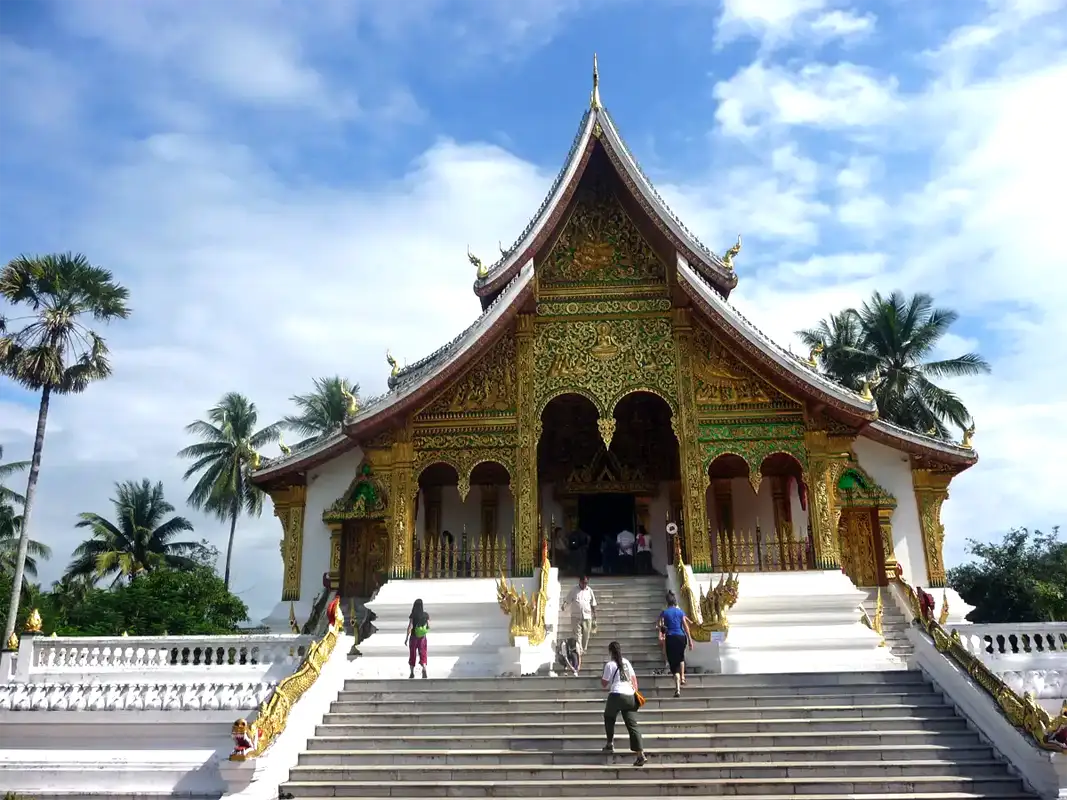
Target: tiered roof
{"points": [[506, 286]]}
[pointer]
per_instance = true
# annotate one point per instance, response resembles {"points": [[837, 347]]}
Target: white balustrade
{"points": [[1014, 642], [53, 658]]}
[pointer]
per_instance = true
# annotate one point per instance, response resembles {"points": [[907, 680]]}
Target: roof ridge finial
{"points": [[594, 100]]}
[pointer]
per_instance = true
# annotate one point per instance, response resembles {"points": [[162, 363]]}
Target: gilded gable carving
{"points": [[600, 245], [487, 388], [722, 383], [605, 359]]}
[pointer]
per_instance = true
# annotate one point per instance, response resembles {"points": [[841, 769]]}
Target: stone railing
{"points": [[1023, 641], [70, 658]]}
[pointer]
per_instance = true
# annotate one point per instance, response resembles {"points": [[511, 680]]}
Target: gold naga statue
{"points": [[394, 368], [731, 254], [968, 437], [286, 450], [351, 403], [477, 263], [816, 351]]}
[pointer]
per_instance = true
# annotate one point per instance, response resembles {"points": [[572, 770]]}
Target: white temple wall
{"points": [[752, 510], [892, 470], [325, 485]]}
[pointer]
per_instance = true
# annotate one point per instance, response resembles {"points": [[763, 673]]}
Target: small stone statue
{"points": [[244, 740]]}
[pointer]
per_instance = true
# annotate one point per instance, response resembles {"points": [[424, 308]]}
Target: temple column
{"points": [[402, 493], [694, 477], [783, 522], [931, 491], [529, 432], [289, 506], [827, 458], [885, 532], [335, 555]]}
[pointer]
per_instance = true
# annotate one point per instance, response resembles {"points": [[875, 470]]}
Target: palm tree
{"points": [[10, 524], [322, 410], [9, 497], [140, 539], [885, 344], [227, 453], [53, 352]]}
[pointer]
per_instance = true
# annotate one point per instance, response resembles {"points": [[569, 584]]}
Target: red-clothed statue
{"points": [[333, 610], [926, 604]]}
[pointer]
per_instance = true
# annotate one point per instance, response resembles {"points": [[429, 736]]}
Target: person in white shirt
{"points": [[620, 681], [625, 542], [583, 616]]}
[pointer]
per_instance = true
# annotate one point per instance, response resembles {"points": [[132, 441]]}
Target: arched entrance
{"points": [[757, 523], [458, 515], [864, 532], [592, 489]]}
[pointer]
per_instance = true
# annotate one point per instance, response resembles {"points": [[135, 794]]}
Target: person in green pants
{"points": [[620, 681]]}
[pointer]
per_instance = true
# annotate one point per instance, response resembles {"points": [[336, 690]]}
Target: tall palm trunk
{"points": [[27, 509], [234, 512]]}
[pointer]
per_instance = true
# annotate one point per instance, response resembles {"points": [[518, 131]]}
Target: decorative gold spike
{"points": [[942, 618], [731, 254], [865, 392], [34, 622], [394, 368], [594, 98], [286, 450], [476, 262], [817, 350], [968, 438], [13, 641]]}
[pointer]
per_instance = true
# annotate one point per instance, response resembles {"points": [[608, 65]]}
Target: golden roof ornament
{"points": [[394, 368], [34, 622], [865, 392], [731, 254], [13, 641], [254, 460], [124, 634], [817, 350], [483, 273], [594, 98], [286, 450], [351, 403], [500, 245], [968, 438]]}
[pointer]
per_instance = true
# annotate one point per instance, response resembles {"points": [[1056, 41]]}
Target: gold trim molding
{"points": [[931, 492], [289, 507], [828, 457]]}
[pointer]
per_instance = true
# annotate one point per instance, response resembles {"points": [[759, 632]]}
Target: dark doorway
{"points": [[603, 516]]}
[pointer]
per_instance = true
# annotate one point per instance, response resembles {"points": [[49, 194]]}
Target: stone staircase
{"points": [[894, 623], [627, 609], [861, 736]]}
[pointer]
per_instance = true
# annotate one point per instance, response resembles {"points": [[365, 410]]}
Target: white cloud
{"points": [[841, 96], [777, 22]]}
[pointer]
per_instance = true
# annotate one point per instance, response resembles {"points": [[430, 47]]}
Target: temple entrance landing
{"points": [[592, 491]]}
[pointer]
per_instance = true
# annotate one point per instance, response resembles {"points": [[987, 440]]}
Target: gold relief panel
{"points": [[600, 245], [289, 506], [723, 384], [604, 360], [486, 388]]}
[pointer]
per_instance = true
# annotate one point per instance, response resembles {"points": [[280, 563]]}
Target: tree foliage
{"points": [[323, 409], [886, 344], [52, 350], [141, 538], [1021, 579], [228, 450], [178, 602]]}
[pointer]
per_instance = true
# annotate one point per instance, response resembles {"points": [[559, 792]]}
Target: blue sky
{"points": [[288, 189]]}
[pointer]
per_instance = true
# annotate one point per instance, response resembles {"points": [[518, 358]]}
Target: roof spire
{"points": [[594, 100]]}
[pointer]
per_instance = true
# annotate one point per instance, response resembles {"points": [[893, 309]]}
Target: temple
{"points": [[607, 385]]}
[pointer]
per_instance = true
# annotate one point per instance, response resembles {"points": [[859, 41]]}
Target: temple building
{"points": [[609, 385]]}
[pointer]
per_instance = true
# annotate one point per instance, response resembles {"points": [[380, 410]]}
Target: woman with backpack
{"points": [[418, 627], [620, 681], [674, 625]]}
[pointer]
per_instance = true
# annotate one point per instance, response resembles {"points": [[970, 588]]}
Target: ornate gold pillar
{"points": [[885, 531], [931, 491], [694, 476], [827, 458], [289, 506], [335, 555], [402, 493], [525, 484]]}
